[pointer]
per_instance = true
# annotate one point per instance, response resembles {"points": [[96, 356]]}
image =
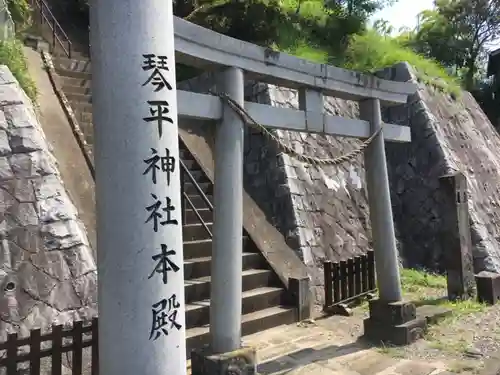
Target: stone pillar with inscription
{"points": [[456, 237], [139, 234]]}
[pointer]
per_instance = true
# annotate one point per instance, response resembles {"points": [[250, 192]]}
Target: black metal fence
{"points": [[46, 19], [349, 280]]}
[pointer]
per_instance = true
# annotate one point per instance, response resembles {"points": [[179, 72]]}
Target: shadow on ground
{"points": [[291, 361]]}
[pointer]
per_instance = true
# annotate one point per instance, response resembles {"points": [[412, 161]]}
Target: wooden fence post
{"points": [[35, 342], [12, 354], [95, 347], [56, 358]]}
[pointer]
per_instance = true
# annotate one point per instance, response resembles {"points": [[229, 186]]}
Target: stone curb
{"points": [[77, 131], [491, 365]]}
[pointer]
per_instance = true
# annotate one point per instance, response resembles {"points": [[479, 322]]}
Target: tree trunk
{"points": [[471, 70]]}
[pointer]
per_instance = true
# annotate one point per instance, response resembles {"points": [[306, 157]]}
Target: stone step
{"points": [[197, 174], [199, 202], [184, 152], [190, 163], [198, 314], [191, 189], [196, 231], [72, 74], [78, 98], [203, 248], [433, 313], [74, 64], [251, 323], [199, 289], [195, 268], [76, 82], [79, 90], [77, 53], [88, 131], [83, 117], [205, 213], [82, 107]]}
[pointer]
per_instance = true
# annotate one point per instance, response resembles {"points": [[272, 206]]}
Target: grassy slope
{"points": [[367, 53], [11, 51], [11, 54]]}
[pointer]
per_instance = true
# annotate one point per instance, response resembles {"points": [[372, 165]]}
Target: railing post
{"points": [[379, 200], [327, 270], [53, 35], [227, 252], [141, 275], [183, 200]]}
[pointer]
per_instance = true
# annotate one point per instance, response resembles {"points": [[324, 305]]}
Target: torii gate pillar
{"points": [[391, 319], [225, 354], [379, 200]]}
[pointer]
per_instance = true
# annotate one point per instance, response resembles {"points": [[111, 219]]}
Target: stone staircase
{"points": [[266, 302]]}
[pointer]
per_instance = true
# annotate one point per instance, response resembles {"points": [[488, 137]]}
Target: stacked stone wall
{"points": [[47, 269]]}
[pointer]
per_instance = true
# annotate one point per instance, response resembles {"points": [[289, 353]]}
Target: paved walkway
{"points": [[331, 347], [325, 348], [71, 162]]}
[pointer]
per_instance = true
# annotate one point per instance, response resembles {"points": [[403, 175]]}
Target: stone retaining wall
{"points": [[47, 270]]}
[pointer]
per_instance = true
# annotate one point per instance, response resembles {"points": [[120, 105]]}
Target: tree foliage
{"points": [[456, 33], [20, 12]]}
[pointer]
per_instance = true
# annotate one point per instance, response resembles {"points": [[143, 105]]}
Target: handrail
{"points": [[198, 188], [185, 197], [56, 28]]}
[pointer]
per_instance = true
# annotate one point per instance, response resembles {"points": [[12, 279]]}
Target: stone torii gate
{"points": [[136, 109]]}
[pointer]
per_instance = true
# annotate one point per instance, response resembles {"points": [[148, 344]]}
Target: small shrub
{"points": [[20, 11], [11, 54]]}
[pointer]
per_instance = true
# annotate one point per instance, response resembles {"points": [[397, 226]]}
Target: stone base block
{"points": [[301, 296], [433, 313], [378, 331], [36, 42], [242, 362], [392, 313], [488, 287]]}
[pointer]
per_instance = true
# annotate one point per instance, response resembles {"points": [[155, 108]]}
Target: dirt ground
{"points": [[466, 339]]}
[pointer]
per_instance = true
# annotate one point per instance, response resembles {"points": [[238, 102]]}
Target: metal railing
{"points": [[47, 17], [349, 280], [185, 198]]}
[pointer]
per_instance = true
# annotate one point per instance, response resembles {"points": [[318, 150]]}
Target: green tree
{"points": [[360, 8], [20, 12], [456, 33], [383, 27]]}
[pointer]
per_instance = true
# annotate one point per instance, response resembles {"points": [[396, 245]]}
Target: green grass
{"points": [[11, 54], [423, 287], [367, 52], [370, 52], [413, 280]]}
